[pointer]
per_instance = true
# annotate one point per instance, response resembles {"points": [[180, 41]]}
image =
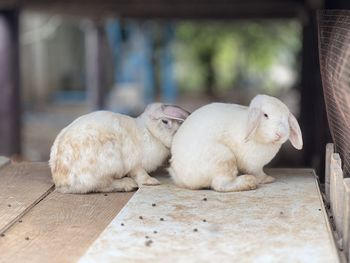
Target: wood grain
{"points": [[60, 228], [21, 187]]}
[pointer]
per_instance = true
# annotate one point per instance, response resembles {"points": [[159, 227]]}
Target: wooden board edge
{"points": [[28, 208], [286, 169], [104, 230], [331, 233]]}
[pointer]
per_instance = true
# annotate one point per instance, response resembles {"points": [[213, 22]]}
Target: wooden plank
{"points": [[9, 84], [346, 219], [337, 194], [21, 187], [280, 222], [60, 228], [329, 152]]}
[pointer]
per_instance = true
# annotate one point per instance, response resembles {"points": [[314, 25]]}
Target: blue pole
{"points": [[168, 82]]}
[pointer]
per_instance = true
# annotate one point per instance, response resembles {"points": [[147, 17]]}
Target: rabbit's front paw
{"points": [[151, 181], [248, 182], [267, 179]]}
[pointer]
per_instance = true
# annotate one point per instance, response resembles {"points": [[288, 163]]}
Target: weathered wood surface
{"points": [[60, 228], [21, 187], [280, 222]]}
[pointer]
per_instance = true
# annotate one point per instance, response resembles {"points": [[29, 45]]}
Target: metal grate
{"points": [[334, 49]]}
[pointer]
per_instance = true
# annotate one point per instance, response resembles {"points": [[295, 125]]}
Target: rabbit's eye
{"points": [[165, 121], [266, 116]]}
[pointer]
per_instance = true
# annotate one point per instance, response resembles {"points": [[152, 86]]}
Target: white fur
{"points": [[96, 151], [218, 141]]}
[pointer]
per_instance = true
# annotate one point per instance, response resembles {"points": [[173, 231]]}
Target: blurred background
{"points": [[67, 59], [184, 62]]}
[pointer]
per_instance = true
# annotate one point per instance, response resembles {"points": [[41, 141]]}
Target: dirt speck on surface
{"points": [[148, 243]]}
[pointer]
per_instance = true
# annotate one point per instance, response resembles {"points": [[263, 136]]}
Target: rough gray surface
{"points": [[280, 222]]}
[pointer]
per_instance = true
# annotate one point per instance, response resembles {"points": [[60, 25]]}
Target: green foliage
{"points": [[240, 52]]}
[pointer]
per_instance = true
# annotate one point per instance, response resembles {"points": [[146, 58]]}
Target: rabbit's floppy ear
{"points": [[295, 132], [254, 116], [174, 112]]}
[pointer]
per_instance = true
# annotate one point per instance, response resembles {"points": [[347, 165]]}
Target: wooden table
{"points": [[38, 224], [284, 220]]}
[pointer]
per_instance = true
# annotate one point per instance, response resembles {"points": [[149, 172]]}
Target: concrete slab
{"points": [[280, 222]]}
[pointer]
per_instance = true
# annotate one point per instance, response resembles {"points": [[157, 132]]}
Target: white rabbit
{"points": [[218, 141], [105, 151]]}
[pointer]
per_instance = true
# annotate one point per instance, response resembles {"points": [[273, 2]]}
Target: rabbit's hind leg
{"points": [[125, 184], [263, 178], [226, 179], [224, 183]]}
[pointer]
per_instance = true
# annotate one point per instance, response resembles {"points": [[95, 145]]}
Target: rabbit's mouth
{"points": [[278, 140]]}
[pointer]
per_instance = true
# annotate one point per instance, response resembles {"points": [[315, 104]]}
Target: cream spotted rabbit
{"points": [[105, 151]]}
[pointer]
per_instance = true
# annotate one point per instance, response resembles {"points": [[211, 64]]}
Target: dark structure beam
{"points": [[95, 81], [9, 84], [175, 9], [313, 112]]}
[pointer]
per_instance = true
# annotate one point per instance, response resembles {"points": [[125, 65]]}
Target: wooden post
{"points": [[329, 152], [346, 219], [95, 80], [337, 194], [9, 84]]}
